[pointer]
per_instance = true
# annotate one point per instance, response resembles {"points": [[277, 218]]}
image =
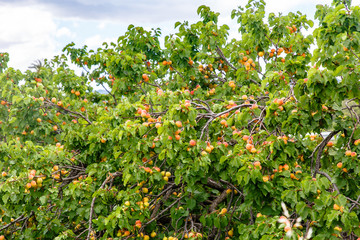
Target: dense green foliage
{"points": [[204, 138]]}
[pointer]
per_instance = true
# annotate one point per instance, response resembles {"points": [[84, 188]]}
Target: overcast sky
{"points": [[38, 29]]}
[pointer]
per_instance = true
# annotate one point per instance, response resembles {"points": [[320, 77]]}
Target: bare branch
{"points": [[217, 201], [354, 203], [320, 149], [109, 93], [163, 211]]}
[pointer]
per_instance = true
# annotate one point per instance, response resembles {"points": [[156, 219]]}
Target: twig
{"points": [[320, 149], [109, 93], [329, 178], [69, 111], [163, 211], [354, 203], [157, 206], [232, 186], [178, 72], [111, 175], [19, 219], [221, 54], [78, 236], [220, 114], [354, 53], [202, 101]]}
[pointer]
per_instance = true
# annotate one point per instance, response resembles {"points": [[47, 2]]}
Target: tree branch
{"points": [[221, 54], [111, 175], [217, 201], [320, 149], [69, 111]]}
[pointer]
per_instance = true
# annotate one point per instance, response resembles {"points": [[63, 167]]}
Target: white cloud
{"points": [[64, 32], [96, 41], [27, 36], [75, 23], [24, 23], [101, 25]]}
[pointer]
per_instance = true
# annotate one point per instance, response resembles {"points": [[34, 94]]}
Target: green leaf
{"points": [[332, 216], [191, 203]]}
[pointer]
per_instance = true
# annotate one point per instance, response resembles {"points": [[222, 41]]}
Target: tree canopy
{"points": [[198, 137]]}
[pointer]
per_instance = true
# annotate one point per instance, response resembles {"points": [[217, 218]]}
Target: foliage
{"points": [[204, 138]]}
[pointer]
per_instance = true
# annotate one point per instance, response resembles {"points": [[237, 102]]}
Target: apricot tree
{"points": [[204, 138]]}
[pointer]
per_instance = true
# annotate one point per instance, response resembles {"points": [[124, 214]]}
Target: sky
{"points": [[32, 30]]}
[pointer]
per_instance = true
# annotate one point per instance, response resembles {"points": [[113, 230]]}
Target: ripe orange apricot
{"points": [[192, 143], [245, 137], [223, 211], [336, 207], [249, 146], [145, 77], [178, 124], [33, 183], [287, 228], [257, 164]]}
